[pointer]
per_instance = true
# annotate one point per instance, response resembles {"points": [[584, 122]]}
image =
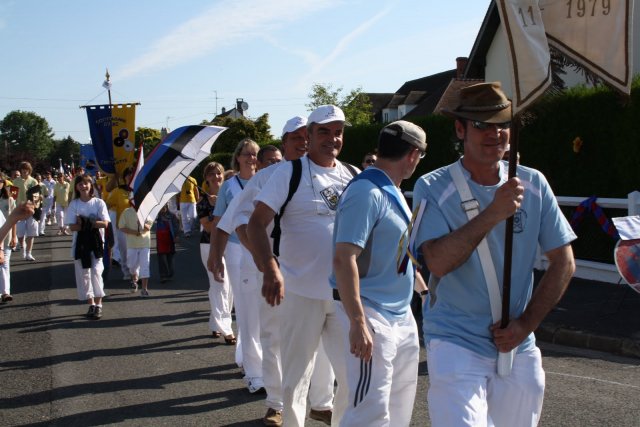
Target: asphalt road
{"points": [[151, 361]]}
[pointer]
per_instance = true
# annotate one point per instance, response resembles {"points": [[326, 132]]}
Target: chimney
{"points": [[461, 64], [224, 110]]}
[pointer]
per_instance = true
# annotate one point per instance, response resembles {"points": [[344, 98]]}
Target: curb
{"points": [[557, 334]]}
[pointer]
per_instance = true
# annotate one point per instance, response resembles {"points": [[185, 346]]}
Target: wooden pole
{"points": [[508, 237]]}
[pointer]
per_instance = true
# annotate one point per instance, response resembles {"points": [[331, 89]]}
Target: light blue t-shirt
{"points": [[227, 191], [458, 309], [368, 218]]}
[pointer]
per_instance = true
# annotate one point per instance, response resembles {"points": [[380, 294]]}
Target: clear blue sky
{"points": [[174, 56]]}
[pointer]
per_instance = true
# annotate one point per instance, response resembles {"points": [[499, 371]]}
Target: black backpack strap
{"points": [[352, 170], [293, 186]]}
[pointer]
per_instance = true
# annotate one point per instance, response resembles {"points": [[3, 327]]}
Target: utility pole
{"points": [[216, 98]]}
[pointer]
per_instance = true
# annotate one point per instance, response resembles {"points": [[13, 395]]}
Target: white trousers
{"points": [[305, 321], [89, 280], [248, 296], [60, 211], [465, 389], [5, 273], [220, 299], [138, 262], [187, 215], [233, 264], [121, 238], [382, 391]]}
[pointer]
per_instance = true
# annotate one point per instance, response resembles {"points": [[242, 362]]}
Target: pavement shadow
{"points": [[156, 347]]}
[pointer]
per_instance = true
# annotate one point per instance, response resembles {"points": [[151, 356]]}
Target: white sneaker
{"points": [[29, 257]]}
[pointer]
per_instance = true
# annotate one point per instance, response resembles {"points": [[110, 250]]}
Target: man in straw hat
{"points": [[466, 206]]}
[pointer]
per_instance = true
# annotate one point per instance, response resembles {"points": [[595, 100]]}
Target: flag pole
{"points": [[108, 84], [508, 237]]}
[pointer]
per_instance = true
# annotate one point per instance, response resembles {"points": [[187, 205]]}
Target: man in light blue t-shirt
{"points": [[461, 335], [372, 287]]}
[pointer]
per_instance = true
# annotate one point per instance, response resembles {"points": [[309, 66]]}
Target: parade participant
{"points": [[7, 205], [117, 202], [372, 294], [167, 228], [294, 146], [249, 350], [26, 229], [307, 312], [462, 338], [21, 212], [41, 206], [138, 248], [61, 198], [87, 217], [369, 159], [189, 195], [47, 208], [220, 295]]}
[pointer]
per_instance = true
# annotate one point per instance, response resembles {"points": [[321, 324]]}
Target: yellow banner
{"points": [[123, 119]]}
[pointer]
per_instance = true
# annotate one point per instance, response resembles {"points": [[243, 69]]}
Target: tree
{"points": [[66, 149], [28, 135], [356, 104], [149, 138], [238, 129]]}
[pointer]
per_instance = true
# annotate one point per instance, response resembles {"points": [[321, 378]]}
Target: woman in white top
{"points": [[7, 204], [87, 216]]}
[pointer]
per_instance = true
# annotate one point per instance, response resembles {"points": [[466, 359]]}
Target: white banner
{"points": [[595, 33], [528, 50]]}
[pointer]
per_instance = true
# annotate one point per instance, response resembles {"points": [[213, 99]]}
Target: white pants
{"points": [[60, 215], [5, 274], [382, 391], [220, 299], [187, 215], [115, 250], [138, 262], [305, 321], [233, 263], [89, 280], [121, 238], [465, 389], [248, 296], [27, 227]]}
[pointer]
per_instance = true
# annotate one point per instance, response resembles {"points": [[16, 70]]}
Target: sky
{"points": [[185, 60]]}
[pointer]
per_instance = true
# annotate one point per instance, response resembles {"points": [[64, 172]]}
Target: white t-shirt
{"points": [[94, 208], [307, 225]]}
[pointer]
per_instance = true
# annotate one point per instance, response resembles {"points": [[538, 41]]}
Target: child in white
{"points": [[85, 215], [138, 248]]}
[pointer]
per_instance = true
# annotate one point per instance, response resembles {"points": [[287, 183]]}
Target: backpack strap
{"points": [[294, 182], [352, 170]]}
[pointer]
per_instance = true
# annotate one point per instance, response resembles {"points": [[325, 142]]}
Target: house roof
{"points": [[478, 56], [428, 84]]}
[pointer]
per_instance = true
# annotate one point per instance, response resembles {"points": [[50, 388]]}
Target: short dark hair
{"points": [[264, 149], [391, 147]]}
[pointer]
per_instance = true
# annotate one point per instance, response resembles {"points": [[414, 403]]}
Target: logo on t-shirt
{"points": [[331, 196], [519, 221]]}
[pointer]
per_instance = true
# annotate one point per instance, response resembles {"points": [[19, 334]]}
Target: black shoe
{"points": [[97, 314], [91, 312]]}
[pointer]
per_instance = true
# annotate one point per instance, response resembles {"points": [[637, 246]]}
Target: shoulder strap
{"points": [[352, 170], [472, 208], [294, 182]]}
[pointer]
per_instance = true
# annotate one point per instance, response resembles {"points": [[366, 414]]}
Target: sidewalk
{"points": [[597, 316]]}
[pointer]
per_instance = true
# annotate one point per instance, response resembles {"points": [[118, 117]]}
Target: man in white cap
{"points": [[308, 314], [373, 289], [236, 217], [462, 235]]}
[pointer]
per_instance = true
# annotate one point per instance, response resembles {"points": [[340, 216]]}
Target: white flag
{"points": [[106, 84], [139, 166], [528, 50], [596, 33]]}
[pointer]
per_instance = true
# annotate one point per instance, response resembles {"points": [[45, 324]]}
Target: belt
{"points": [[336, 295]]}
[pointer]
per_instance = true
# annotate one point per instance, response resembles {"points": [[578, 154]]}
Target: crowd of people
{"points": [[320, 261]]}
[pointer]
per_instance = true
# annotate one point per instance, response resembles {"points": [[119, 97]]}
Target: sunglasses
{"points": [[369, 161], [485, 126]]}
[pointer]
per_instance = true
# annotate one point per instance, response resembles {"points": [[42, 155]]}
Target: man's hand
{"points": [[216, 266], [360, 340], [273, 286], [510, 337]]}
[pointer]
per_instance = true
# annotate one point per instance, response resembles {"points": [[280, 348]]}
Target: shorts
{"points": [[27, 227]]}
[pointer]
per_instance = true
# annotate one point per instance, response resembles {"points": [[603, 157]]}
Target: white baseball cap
{"points": [[327, 113], [293, 124]]}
